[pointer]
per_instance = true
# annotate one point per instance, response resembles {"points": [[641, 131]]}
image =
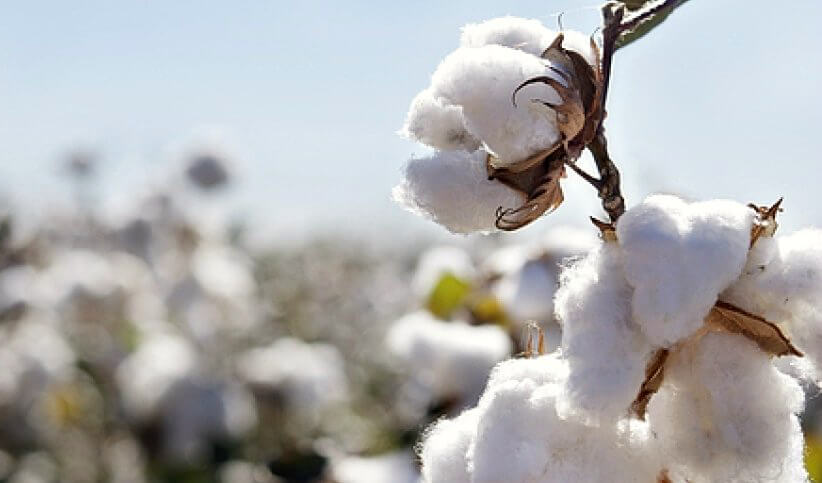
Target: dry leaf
{"points": [[578, 117], [654, 374], [767, 335], [540, 184]]}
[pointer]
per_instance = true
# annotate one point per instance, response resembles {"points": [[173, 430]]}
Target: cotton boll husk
{"points": [[437, 262], [444, 449], [481, 80], [678, 257], [725, 413], [528, 35], [452, 189], [521, 438], [452, 359], [438, 124], [607, 353]]}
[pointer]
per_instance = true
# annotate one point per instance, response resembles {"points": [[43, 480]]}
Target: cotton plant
{"points": [[688, 329]]}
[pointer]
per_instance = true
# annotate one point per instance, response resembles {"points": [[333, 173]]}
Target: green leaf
{"points": [[813, 457], [644, 27], [447, 295]]}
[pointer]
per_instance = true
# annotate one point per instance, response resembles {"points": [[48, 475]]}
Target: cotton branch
{"points": [[615, 29]]}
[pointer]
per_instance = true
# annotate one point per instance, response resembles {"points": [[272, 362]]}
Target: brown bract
{"points": [[578, 117]]}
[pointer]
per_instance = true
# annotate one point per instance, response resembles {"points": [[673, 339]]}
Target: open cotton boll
{"points": [[606, 352], [396, 467], [437, 124], [146, 375], [562, 242], [528, 35], [678, 257], [481, 80], [782, 274], [725, 413], [453, 359], [521, 438], [307, 375], [452, 189], [444, 449], [437, 262]]}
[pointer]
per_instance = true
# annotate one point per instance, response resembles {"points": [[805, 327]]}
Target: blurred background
{"points": [[203, 277]]}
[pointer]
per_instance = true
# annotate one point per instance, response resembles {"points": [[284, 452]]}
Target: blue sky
{"points": [[720, 101]]}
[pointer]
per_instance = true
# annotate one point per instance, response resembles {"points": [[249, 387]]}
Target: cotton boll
{"points": [[223, 272], [396, 467], [526, 293], [607, 353], [481, 80], [528, 35], [452, 359], [520, 438], [562, 242], [782, 275], [146, 375], [452, 189], [444, 449], [678, 258], [308, 376], [437, 262], [725, 413], [434, 122]]}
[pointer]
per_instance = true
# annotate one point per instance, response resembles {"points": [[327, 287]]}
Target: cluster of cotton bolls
{"points": [[146, 344], [467, 114], [473, 315], [727, 405]]}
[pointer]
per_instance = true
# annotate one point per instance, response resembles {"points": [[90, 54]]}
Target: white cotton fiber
{"points": [[395, 467], [678, 257], [308, 376], [453, 359], [452, 189], [432, 121], [481, 81], [782, 274], [606, 352], [521, 438], [444, 449], [528, 35], [437, 262], [725, 413]]}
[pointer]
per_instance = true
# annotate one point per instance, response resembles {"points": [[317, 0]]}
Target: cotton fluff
{"points": [[444, 449], [606, 352], [783, 282], [678, 257], [520, 437], [451, 359], [149, 373], [529, 274], [725, 413], [396, 467], [452, 189], [528, 35], [437, 262], [441, 125], [481, 81], [308, 376]]}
